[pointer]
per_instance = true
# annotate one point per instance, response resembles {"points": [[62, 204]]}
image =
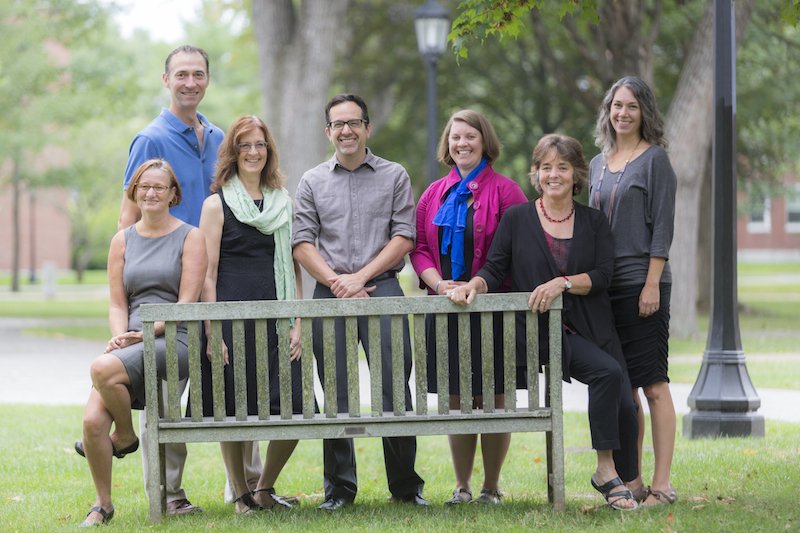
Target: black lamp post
{"points": [[723, 400], [432, 24]]}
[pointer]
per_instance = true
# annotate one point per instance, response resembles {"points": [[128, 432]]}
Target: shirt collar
{"points": [[180, 125], [371, 161]]}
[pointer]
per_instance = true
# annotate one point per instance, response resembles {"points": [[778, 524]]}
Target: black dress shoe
{"points": [[414, 498], [332, 503]]}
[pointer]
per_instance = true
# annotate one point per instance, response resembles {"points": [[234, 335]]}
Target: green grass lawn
{"points": [[90, 277], [54, 309], [746, 485]]}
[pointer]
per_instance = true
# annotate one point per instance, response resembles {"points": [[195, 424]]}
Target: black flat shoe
{"points": [[107, 516], [119, 454], [250, 504]]}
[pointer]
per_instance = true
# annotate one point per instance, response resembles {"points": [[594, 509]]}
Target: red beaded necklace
{"points": [[554, 221]]}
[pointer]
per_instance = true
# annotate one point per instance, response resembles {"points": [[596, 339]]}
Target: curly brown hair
{"points": [[228, 155]]}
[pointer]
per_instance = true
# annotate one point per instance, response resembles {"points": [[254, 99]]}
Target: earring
{"points": [[574, 190]]}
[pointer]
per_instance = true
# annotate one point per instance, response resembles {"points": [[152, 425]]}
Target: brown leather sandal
{"points": [[664, 498], [641, 493]]}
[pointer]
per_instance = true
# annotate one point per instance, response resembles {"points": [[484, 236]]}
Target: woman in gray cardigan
{"points": [[633, 184]]}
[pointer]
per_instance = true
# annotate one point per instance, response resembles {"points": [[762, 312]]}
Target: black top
{"points": [[520, 248], [246, 268]]}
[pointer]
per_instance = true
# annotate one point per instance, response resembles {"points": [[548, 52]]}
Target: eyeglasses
{"points": [[353, 123], [143, 187], [245, 147]]}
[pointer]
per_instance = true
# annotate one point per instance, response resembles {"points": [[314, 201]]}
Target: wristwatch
{"points": [[567, 283]]}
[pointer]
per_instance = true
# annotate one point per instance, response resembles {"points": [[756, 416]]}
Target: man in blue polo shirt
{"points": [[181, 136], [188, 142]]}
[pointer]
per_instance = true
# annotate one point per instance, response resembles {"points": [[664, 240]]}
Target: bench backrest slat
{"points": [[420, 364], [532, 355], [487, 348], [307, 365], [196, 398], [262, 334], [329, 343], [442, 374]]}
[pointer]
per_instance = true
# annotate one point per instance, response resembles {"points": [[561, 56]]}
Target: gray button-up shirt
{"points": [[352, 215]]}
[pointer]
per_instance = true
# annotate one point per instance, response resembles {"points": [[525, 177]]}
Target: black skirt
{"points": [[645, 341]]}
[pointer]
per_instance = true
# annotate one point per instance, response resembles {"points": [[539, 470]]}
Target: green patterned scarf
{"points": [[275, 219]]}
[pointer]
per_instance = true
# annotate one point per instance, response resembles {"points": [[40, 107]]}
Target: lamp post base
{"points": [[701, 424], [723, 402]]}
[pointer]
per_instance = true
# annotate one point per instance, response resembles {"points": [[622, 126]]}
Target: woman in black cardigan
{"points": [[551, 246]]}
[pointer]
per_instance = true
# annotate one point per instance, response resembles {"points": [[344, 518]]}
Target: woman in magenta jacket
{"points": [[457, 217]]}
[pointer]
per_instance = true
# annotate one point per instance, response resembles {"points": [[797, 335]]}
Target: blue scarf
{"points": [[452, 218]]}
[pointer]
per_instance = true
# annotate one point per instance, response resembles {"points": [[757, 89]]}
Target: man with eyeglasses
{"points": [[359, 211], [188, 142]]}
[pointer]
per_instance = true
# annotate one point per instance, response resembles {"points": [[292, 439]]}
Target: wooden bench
{"points": [[166, 424]]}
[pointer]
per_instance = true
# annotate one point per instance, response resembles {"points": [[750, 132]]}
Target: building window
{"points": [[759, 219], [793, 210]]}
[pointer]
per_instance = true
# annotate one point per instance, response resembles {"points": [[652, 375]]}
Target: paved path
{"points": [[48, 371]]}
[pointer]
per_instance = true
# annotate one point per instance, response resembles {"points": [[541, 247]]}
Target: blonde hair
{"points": [[157, 164]]}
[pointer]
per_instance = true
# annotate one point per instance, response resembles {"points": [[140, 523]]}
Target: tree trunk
{"points": [[296, 55], [705, 242], [688, 129], [16, 178]]}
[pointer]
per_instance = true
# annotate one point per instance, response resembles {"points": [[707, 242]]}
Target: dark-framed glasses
{"points": [[144, 187], [245, 147], [353, 123]]}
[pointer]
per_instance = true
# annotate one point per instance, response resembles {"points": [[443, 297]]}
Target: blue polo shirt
{"points": [[168, 138]]}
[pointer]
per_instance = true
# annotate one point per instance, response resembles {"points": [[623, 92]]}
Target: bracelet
{"points": [[436, 288]]}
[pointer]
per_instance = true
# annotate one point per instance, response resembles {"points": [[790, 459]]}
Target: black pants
{"points": [[399, 453], [612, 411]]}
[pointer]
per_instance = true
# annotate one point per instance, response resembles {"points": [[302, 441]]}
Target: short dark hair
{"points": [[186, 49], [652, 127], [491, 144], [347, 97], [157, 164], [568, 149]]}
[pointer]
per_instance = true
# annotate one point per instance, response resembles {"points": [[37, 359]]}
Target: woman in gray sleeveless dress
{"points": [[158, 260]]}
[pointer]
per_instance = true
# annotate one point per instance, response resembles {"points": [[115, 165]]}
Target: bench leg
{"points": [[555, 470], [157, 485]]}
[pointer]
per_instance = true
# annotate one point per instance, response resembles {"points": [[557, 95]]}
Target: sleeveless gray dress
{"points": [[152, 274]]}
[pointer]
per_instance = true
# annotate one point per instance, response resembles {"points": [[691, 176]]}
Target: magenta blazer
{"points": [[493, 193]]}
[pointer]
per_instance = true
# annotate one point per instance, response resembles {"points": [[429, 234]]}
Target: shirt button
{"points": [[356, 237], [472, 185], [476, 205], [355, 215], [478, 228], [478, 253]]}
